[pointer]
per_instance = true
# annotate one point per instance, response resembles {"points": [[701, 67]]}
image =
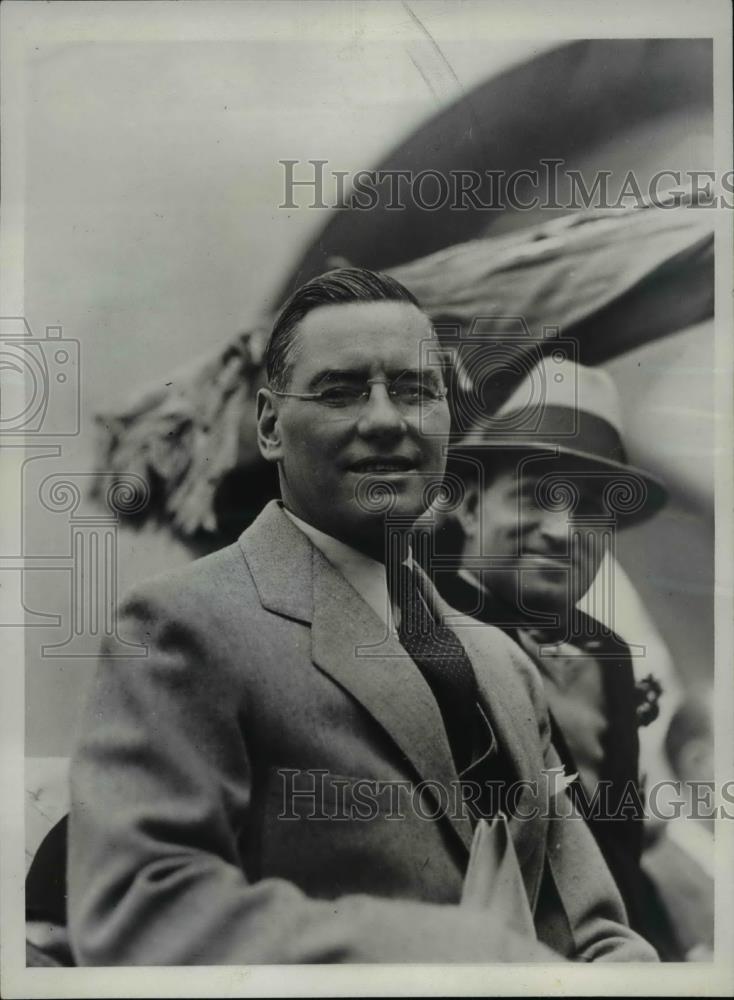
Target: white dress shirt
{"points": [[366, 575]]}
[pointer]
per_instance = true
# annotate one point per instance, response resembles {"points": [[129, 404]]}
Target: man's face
{"points": [[326, 451], [553, 554]]}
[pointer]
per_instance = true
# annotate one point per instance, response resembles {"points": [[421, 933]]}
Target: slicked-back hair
{"points": [[343, 285]]}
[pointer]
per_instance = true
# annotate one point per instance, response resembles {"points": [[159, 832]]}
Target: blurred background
{"points": [[153, 237]]}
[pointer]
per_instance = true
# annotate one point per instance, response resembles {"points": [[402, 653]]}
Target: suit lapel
{"points": [[511, 715], [296, 580], [352, 646], [506, 704], [279, 557]]}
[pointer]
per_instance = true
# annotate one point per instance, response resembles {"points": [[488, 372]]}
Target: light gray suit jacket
{"points": [[177, 851]]}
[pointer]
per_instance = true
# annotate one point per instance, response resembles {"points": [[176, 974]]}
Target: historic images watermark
{"points": [[551, 185], [320, 796]]}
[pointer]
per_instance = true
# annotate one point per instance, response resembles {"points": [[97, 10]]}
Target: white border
{"points": [[23, 23]]}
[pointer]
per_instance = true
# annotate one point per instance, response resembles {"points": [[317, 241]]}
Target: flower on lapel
{"points": [[553, 798], [558, 779]]}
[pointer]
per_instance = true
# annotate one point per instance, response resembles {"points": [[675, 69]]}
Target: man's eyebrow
{"points": [[432, 374], [328, 375]]}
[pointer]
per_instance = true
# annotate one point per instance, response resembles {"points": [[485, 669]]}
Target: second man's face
{"points": [[552, 552], [334, 453]]}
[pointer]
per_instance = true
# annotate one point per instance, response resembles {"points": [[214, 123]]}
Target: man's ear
{"points": [[467, 513], [268, 426]]}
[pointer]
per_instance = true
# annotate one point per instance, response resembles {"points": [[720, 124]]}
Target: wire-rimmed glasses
{"points": [[412, 396]]}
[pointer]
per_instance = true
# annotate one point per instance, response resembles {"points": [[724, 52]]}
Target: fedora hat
{"points": [[572, 412]]}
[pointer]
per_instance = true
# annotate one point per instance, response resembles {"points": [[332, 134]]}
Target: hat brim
{"points": [[656, 495]]}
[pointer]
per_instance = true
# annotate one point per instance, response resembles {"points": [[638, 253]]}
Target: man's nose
{"points": [[380, 416]]}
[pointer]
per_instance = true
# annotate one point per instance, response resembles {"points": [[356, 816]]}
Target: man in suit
{"points": [[545, 493], [219, 791]]}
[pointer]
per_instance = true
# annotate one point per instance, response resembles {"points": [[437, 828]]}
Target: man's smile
{"points": [[383, 466]]}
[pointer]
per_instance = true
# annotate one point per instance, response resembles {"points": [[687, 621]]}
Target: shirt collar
{"points": [[365, 574]]}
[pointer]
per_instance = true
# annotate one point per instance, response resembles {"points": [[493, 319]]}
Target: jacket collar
{"points": [[279, 556], [352, 645], [504, 699]]}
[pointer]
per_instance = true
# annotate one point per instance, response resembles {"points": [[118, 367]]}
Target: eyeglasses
{"points": [[410, 396]]}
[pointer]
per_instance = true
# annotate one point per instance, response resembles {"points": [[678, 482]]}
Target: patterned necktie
{"points": [[441, 658]]}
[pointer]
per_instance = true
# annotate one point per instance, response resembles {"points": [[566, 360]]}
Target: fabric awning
{"points": [[612, 280]]}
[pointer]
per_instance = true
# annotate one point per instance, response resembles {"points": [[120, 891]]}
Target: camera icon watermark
{"points": [[499, 386], [39, 380]]}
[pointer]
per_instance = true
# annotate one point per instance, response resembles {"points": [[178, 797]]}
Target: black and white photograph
{"points": [[366, 379]]}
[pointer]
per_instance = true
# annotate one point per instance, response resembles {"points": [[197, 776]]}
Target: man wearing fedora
{"points": [[547, 484]]}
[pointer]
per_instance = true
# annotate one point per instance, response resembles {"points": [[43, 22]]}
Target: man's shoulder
{"points": [[209, 578], [195, 585]]}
